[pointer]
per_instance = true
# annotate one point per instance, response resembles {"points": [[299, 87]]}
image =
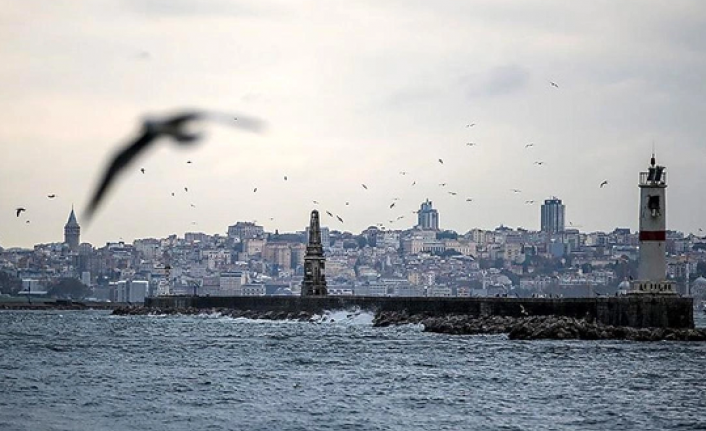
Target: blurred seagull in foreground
{"points": [[174, 127]]}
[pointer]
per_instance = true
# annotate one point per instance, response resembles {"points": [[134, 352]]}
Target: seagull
{"points": [[315, 202], [254, 190], [516, 190], [529, 202], [453, 193], [441, 161], [392, 205], [400, 217], [469, 200], [142, 170], [339, 219], [539, 163], [442, 184], [193, 206], [285, 178], [174, 127], [348, 203], [364, 186], [529, 145], [414, 183], [172, 193], [52, 196], [605, 182], [553, 84], [403, 172], [18, 211], [471, 144], [27, 221], [470, 125], [188, 162], [186, 189], [329, 213]]}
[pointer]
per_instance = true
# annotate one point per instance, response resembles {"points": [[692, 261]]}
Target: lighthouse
{"points": [[652, 268]]}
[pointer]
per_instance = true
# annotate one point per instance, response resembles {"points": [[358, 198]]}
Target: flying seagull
{"points": [[442, 184], [529, 145], [254, 190], [186, 189], [52, 196], [403, 172], [188, 162], [516, 190], [285, 178], [553, 84], [27, 221], [392, 205], [315, 202], [364, 186], [192, 205], [339, 219], [605, 182], [469, 200], [18, 211], [414, 183], [348, 203], [441, 161], [329, 213], [453, 193], [174, 127], [471, 144], [529, 202], [172, 193], [470, 125], [142, 170], [539, 163]]}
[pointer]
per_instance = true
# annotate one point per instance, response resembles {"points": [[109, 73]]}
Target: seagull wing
{"points": [[120, 161]]}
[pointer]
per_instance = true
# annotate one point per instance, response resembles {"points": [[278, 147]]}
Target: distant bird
{"points": [[471, 144], [470, 125], [414, 183], [392, 205], [186, 189], [174, 127], [553, 84], [400, 217], [469, 200], [516, 190], [348, 203], [285, 178], [442, 184], [364, 186], [27, 221], [441, 161], [605, 182], [172, 193], [188, 162], [539, 163], [142, 170], [339, 219], [403, 172], [315, 202], [329, 213], [254, 190], [523, 311], [52, 196], [193, 206], [529, 202], [395, 199], [18, 211], [453, 193], [529, 145]]}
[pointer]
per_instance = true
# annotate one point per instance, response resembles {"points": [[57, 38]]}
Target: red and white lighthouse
{"points": [[652, 270]]}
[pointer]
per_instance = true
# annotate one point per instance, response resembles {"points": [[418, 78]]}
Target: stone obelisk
{"points": [[314, 283]]}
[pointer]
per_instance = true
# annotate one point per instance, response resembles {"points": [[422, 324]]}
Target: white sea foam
{"points": [[345, 317]]}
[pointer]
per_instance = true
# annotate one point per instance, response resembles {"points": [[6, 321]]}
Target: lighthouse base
{"points": [[648, 287]]}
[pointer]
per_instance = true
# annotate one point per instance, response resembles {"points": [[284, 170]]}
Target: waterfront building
{"points": [[552, 216], [427, 217]]}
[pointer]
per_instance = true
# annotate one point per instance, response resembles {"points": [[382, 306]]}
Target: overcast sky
{"points": [[353, 93]]}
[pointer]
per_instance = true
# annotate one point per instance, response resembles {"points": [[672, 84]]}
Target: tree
{"points": [[9, 283], [68, 288]]}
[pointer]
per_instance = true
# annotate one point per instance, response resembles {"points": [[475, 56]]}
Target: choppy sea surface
{"points": [[87, 370]]}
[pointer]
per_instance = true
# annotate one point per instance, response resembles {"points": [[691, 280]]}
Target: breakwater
{"points": [[622, 311]]}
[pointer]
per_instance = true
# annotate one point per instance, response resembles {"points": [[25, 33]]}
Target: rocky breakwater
{"points": [[302, 316], [536, 327]]}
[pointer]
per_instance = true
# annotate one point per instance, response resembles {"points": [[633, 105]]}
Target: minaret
{"points": [[314, 283], [72, 231], [652, 270]]}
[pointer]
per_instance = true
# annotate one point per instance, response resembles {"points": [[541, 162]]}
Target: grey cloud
{"points": [[499, 81]]}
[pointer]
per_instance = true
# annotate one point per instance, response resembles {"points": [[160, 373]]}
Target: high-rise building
{"points": [[72, 231], [553, 216], [427, 217]]}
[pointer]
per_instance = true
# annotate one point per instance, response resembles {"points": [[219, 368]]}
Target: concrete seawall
{"points": [[630, 311]]}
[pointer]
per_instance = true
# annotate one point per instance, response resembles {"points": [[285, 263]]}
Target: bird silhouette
{"points": [[400, 217], [529, 145], [186, 189], [442, 184], [403, 172], [329, 213], [348, 203], [605, 182], [339, 219], [285, 178], [188, 162], [441, 161], [192, 205], [553, 84], [142, 170], [516, 190], [52, 196], [453, 193], [364, 186], [254, 190], [529, 202], [539, 163], [392, 205], [27, 222], [414, 183], [174, 127], [471, 144], [172, 193], [19, 211], [469, 200], [315, 202], [470, 125]]}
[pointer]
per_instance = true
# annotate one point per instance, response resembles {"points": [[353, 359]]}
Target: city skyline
{"points": [[353, 95]]}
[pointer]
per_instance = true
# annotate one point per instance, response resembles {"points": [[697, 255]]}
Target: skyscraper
{"points": [[428, 217], [553, 215], [72, 232]]}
